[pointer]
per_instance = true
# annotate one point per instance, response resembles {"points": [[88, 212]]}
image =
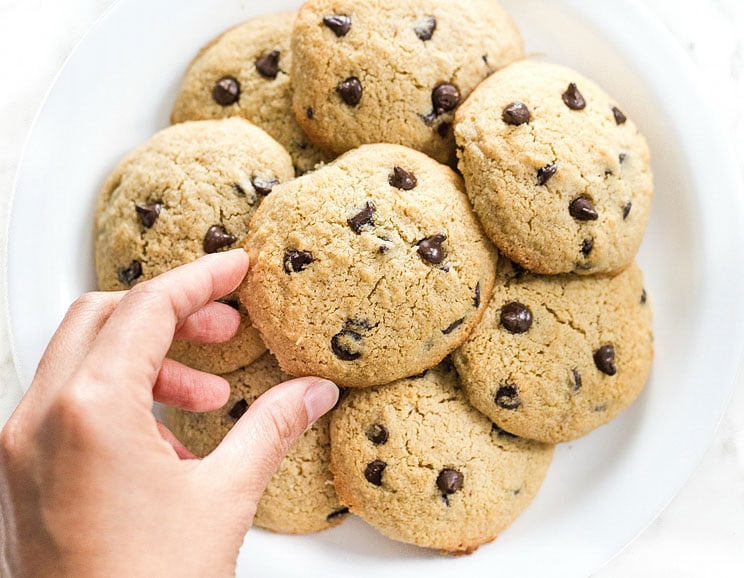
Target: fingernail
{"points": [[320, 397]]}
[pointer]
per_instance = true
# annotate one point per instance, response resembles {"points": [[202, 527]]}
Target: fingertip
{"points": [[240, 256], [320, 397], [187, 388], [222, 395]]}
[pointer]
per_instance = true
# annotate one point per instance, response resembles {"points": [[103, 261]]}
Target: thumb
{"points": [[251, 452]]}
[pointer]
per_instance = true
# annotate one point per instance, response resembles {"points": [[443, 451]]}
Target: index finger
{"points": [[131, 346]]}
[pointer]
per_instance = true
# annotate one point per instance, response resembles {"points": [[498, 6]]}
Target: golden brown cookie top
{"points": [[419, 463], [394, 71], [558, 175], [557, 356], [369, 269], [245, 72], [188, 191]]}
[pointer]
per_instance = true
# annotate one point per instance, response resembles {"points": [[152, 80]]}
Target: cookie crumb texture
{"points": [[441, 476], [558, 356], [300, 498], [245, 72], [191, 189], [558, 175], [365, 274], [394, 71]]}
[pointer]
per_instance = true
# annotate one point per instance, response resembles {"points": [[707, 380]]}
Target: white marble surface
{"points": [[701, 533]]}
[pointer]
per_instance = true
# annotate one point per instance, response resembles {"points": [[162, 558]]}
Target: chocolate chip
{"points": [[127, 275], [620, 118], [449, 481], [217, 238], [644, 297], [600, 408], [238, 409], [546, 173], [573, 98], [577, 379], [310, 113], [582, 209], [502, 433], [296, 261], [485, 59], [268, 65], [226, 91], [402, 179], [507, 396], [430, 249], [586, 247], [263, 186], [425, 27], [604, 359], [516, 113], [452, 326], [445, 97], [517, 491], [234, 303], [476, 296], [516, 317], [377, 434], [363, 218], [626, 210], [350, 91], [344, 345], [148, 214], [339, 23], [444, 129], [621, 157], [373, 472], [337, 514]]}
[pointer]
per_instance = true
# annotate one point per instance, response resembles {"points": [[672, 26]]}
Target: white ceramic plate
{"points": [[116, 90]]}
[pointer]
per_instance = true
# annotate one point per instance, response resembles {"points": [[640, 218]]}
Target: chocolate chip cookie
{"points": [[300, 498], [245, 72], [369, 269], [556, 171], [394, 71], [420, 464], [190, 190], [558, 356]]}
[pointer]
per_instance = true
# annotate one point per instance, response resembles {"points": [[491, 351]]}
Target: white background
{"points": [[702, 532]]}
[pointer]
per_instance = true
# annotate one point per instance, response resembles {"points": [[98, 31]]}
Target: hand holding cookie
{"points": [[91, 483]]}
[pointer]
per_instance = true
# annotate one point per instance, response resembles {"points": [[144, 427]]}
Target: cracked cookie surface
{"points": [[419, 463], [369, 269], [394, 71], [191, 189], [300, 497], [558, 175], [558, 356], [245, 72]]}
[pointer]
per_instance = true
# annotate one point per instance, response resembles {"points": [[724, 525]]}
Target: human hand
{"points": [[92, 485]]}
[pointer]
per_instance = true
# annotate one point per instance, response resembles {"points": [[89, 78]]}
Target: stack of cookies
{"points": [[464, 269]]}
